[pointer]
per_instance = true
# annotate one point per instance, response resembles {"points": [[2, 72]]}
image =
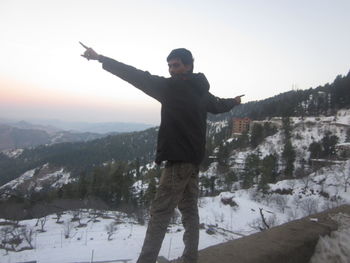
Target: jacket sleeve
{"points": [[150, 84], [217, 105]]}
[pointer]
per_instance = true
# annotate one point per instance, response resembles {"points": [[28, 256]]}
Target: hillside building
{"points": [[240, 125]]}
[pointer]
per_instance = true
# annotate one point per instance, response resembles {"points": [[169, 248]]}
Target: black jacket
{"points": [[185, 103]]}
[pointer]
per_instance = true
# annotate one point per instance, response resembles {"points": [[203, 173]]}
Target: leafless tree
{"points": [[337, 200], [93, 215], [27, 234], [292, 214], [263, 219], [111, 228], [305, 180], [342, 174], [58, 217], [118, 217], [37, 222], [104, 214], [297, 201], [141, 215], [42, 222], [67, 228], [255, 195], [329, 205], [346, 178], [78, 216], [322, 182], [266, 199], [10, 238], [263, 223], [5, 237], [309, 206], [281, 202]]}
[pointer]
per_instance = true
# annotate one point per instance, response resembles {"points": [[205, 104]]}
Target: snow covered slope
{"points": [[227, 216], [304, 132], [42, 178]]}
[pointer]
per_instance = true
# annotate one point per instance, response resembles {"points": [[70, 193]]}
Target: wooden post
{"points": [[92, 256]]}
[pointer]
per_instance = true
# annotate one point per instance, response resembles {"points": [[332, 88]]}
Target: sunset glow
{"points": [[257, 48]]}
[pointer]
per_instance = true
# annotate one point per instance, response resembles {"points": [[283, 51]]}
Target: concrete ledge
{"points": [[293, 242]]}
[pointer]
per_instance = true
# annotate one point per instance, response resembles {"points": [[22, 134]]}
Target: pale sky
{"points": [[255, 47]]}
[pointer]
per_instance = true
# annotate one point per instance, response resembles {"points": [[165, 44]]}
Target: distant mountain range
{"points": [[97, 127], [23, 134], [12, 137]]}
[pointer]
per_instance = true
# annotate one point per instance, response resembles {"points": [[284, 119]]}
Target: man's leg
{"points": [[188, 206], [172, 184]]}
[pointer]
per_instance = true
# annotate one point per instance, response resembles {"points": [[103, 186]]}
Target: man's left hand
{"points": [[238, 99]]}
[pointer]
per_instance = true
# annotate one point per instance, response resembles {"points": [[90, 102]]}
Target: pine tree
{"points": [[269, 168], [288, 153], [269, 129], [230, 178], [223, 154], [243, 140], [329, 142], [82, 185], [204, 185], [97, 184], [212, 181], [120, 183], [257, 135], [251, 170], [68, 191], [316, 150], [152, 186], [137, 168], [286, 126]]}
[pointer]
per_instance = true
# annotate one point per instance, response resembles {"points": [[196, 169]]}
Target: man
{"points": [[185, 100]]}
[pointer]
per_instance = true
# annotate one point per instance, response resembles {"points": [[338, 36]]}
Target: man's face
{"points": [[177, 67]]}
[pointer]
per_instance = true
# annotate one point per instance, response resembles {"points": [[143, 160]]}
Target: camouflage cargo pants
{"points": [[178, 187]]}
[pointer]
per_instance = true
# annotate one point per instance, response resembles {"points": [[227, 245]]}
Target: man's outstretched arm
{"points": [[143, 80], [217, 105]]}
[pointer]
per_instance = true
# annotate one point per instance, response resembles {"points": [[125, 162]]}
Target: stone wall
{"points": [[293, 242]]}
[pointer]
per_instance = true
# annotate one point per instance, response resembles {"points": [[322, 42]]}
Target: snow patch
{"points": [[13, 153], [334, 248]]}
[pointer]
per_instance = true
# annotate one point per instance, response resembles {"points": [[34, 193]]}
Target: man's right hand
{"points": [[89, 53]]}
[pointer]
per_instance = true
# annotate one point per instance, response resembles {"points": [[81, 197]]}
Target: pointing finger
{"points": [[83, 45]]}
